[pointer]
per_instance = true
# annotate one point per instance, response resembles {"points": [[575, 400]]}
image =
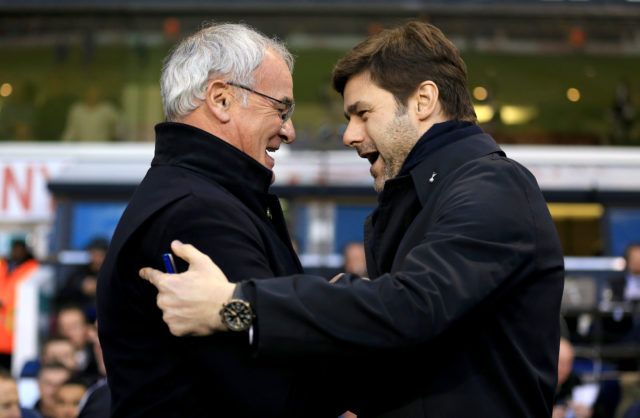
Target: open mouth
{"points": [[371, 156], [272, 149]]}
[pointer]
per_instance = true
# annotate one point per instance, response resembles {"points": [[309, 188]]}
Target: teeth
{"points": [[272, 149]]}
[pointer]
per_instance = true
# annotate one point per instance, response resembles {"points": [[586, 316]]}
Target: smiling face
{"points": [[68, 399], [49, 380], [379, 129], [9, 401], [258, 125]]}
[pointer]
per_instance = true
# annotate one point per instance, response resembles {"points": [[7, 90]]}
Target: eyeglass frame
{"points": [[285, 116]]}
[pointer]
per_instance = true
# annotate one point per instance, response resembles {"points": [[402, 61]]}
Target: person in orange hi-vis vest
{"points": [[16, 269]]}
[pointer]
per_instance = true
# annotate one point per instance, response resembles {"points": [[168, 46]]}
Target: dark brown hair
{"points": [[5, 375], [400, 59]]}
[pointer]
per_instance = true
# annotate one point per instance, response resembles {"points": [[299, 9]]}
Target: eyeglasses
{"points": [[286, 115]]}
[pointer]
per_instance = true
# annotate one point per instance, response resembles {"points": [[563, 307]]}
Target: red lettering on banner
{"points": [[23, 195], [45, 174]]}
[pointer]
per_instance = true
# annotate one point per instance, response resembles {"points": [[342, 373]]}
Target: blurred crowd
{"points": [[69, 370], [57, 115]]}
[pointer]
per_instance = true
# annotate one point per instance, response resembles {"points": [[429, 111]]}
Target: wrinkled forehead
{"points": [[274, 73]]}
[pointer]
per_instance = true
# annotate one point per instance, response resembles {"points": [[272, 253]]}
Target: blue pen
{"points": [[169, 265]]}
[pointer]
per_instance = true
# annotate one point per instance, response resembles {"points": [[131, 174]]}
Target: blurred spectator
{"points": [[97, 350], [19, 255], [633, 411], [577, 400], [18, 267], [68, 397], [50, 378], [9, 400], [97, 400], [624, 293], [80, 287], [18, 114], [72, 323], [92, 119], [627, 287], [623, 113], [52, 109], [354, 259], [56, 349], [566, 380]]}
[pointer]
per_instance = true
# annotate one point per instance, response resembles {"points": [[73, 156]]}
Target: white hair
{"points": [[228, 50]]}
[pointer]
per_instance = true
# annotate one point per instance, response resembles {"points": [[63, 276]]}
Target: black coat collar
{"points": [[404, 196], [443, 148], [439, 135], [192, 148], [444, 160]]}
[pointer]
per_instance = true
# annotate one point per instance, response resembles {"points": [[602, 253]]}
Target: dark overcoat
{"points": [[202, 191], [461, 317]]}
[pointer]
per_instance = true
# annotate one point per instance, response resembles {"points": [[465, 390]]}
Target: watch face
{"points": [[237, 315]]}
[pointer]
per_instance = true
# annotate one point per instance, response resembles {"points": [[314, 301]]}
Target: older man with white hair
{"points": [[228, 98]]}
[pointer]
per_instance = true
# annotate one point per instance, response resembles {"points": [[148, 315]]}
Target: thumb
{"points": [[187, 252], [198, 261]]}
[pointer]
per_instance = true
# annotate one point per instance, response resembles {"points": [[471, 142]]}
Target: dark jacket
{"points": [[71, 291], [618, 284], [202, 191], [96, 403], [461, 315]]}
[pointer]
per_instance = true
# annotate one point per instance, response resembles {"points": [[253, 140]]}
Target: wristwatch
{"points": [[237, 314]]}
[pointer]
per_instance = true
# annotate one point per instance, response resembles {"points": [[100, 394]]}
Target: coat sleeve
{"points": [[225, 234], [480, 242]]}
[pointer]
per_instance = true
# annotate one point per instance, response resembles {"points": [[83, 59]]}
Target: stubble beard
{"points": [[402, 136]]}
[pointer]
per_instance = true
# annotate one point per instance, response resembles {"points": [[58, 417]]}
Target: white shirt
{"points": [[97, 123], [632, 289]]}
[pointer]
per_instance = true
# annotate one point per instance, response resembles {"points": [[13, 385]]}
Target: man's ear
{"points": [[218, 100], [426, 100]]}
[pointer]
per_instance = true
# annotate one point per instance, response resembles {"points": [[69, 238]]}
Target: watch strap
{"points": [[238, 293]]}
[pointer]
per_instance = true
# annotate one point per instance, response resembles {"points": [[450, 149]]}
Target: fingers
{"points": [[184, 251], [336, 277], [174, 328], [180, 328], [339, 276], [152, 275]]}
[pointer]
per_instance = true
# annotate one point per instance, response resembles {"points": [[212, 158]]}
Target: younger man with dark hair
{"points": [[50, 378], [68, 397]]}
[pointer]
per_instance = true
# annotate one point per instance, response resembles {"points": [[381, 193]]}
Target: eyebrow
{"points": [[287, 100], [353, 108]]}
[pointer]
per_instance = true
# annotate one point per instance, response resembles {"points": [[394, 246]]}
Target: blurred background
{"points": [[556, 82]]}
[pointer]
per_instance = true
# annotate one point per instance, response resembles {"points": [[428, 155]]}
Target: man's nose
{"points": [[288, 132], [352, 135]]}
